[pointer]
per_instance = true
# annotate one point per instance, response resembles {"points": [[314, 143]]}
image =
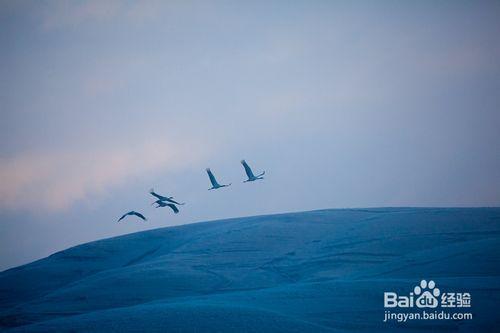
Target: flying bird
{"points": [[164, 204], [133, 213], [250, 175], [215, 184], [162, 198], [161, 203]]}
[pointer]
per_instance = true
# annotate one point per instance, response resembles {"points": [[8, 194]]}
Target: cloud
{"points": [[61, 14], [57, 180]]}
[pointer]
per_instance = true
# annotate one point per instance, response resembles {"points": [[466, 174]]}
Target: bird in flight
{"points": [[250, 175], [133, 213], [162, 198], [164, 204], [215, 184]]}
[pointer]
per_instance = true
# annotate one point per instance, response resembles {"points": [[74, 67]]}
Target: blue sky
{"points": [[344, 104]]}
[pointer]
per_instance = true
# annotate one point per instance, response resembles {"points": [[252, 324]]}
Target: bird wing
{"points": [[121, 218], [139, 215], [175, 202], [212, 178], [159, 197], [174, 208], [248, 171]]}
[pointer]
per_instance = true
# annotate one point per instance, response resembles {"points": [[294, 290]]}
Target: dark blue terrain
{"points": [[319, 271]]}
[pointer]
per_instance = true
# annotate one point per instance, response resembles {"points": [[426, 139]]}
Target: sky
{"points": [[343, 104]]}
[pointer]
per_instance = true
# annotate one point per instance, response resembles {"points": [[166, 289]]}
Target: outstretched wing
{"points": [[159, 197], [212, 178], [139, 215], [248, 171], [121, 218], [175, 202], [174, 208]]}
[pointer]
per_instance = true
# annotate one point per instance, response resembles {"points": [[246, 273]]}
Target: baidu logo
{"points": [[424, 295], [424, 299], [427, 294]]}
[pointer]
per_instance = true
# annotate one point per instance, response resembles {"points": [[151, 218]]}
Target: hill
{"points": [[319, 271]]}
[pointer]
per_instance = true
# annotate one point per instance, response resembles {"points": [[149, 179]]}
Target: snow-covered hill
{"points": [[319, 271]]}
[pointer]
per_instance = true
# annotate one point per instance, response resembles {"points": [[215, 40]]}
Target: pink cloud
{"points": [[56, 180]]}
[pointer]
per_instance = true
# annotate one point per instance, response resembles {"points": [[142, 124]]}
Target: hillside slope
{"points": [[319, 271]]}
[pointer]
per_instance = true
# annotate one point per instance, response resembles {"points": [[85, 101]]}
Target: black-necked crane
{"points": [[250, 175], [162, 198], [132, 213], [213, 181], [164, 204]]}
